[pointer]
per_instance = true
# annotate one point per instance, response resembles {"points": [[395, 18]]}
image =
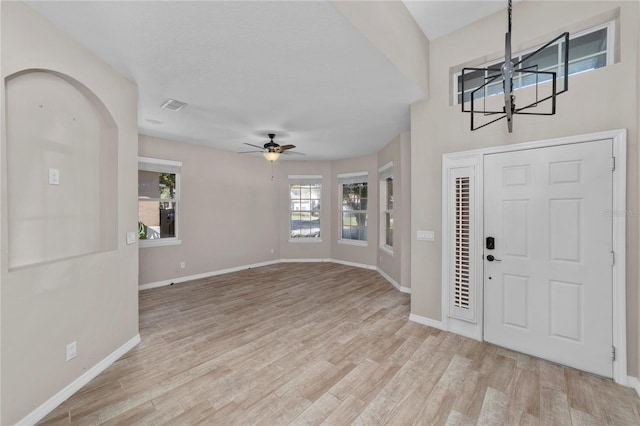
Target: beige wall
{"points": [[44, 133], [600, 100], [227, 215], [393, 265], [345, 251], [89, 298], [633, 315], [231, 214], [316, 248]]}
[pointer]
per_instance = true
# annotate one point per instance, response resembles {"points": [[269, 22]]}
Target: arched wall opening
{"points": [[57, 126]]}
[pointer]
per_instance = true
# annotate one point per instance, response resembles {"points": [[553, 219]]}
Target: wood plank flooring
{"points": [[324, 344]]}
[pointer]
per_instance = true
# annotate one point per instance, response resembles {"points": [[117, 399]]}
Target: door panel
{"points": [[548, 292]]}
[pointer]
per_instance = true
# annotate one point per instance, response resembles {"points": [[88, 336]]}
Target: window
{"points": [[304, 210], [158, 198], [588, 50], [353, 189], [386, 207]]}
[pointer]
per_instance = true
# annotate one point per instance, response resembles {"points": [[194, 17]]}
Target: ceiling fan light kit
{"points": [[271, 156], [271, 150]]}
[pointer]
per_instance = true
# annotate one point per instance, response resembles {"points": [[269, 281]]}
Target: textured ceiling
{"points": [[245, 69]]}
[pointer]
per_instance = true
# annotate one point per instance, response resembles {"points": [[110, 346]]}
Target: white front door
{"points": [[548, 281]]}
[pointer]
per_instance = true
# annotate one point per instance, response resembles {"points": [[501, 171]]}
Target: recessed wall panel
{"points": [[566, 310], [55, 123], [565, 223], [515, 300], [515, 175], [515, 227], [565, 172]]}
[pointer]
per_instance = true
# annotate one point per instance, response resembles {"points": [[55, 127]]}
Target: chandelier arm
{"points": [[488, 81]]}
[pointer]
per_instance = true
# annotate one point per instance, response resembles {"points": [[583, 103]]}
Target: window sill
{"points": [[387, 249], [160, 242], [305, 240], [358, 243]]}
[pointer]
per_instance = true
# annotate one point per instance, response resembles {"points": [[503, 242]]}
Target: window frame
{"points": [[609, 51], [385, 173], [164, 166], [305, 180], [352, 178]]}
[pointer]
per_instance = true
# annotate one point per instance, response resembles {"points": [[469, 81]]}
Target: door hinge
{"points": [[613, 258], [613, 353], [613, 163]]}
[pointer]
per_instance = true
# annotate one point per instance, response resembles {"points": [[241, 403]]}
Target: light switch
{"points": [[131, 237], [426, 236], [54, 177]]}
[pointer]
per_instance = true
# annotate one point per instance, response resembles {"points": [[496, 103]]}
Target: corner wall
{"points": [[91, 298], [227, 214], [396, 265]]}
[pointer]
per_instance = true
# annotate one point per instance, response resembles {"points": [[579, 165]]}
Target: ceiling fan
{"points": [[272, 150]]}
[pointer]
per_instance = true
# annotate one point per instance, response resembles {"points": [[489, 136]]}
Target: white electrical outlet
{"points": [[183, 265], [54, 177], [71, 351]]}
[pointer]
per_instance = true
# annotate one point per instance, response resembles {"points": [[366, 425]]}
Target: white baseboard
{"points": [[634, 383], [272, 262], [39, 413], [426, 321], [354, 264], [393, 282], [205, 275]]}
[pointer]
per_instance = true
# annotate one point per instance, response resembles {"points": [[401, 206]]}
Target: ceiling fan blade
{"points": [[285, 147], [255, 146], [292, 153], [248, 152]]}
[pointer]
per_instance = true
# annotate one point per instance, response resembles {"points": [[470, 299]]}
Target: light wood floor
{"points": [[325, 344]]}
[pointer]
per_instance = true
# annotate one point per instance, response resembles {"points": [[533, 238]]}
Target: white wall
{"points": [[604, 99], [90, 298]]}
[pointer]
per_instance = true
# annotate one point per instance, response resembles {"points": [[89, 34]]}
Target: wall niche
{"points": [[56, 125]]}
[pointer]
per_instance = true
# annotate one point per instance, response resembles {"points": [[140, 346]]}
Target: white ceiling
{"points": [[245, 69], [440, 17]]}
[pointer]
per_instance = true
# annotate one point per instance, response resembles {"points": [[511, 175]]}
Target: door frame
{"points": [[475, 160]]}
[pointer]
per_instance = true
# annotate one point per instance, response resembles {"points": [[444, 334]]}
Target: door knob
{"points": [[491, 258]]}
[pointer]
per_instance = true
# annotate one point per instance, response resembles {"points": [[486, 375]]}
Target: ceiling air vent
{"points": [[173, 105]]}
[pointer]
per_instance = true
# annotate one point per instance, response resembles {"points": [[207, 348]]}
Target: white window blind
{"points": [[160, 166], [305, 179], [349, 178], [386, 171]]}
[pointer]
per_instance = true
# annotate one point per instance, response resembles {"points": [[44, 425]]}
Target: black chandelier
{"points": [[476, 104]]}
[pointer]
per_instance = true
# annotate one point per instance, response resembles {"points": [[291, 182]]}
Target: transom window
{"points": [[354, 197], [158, 197], [304, 210], [588, 50]]}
